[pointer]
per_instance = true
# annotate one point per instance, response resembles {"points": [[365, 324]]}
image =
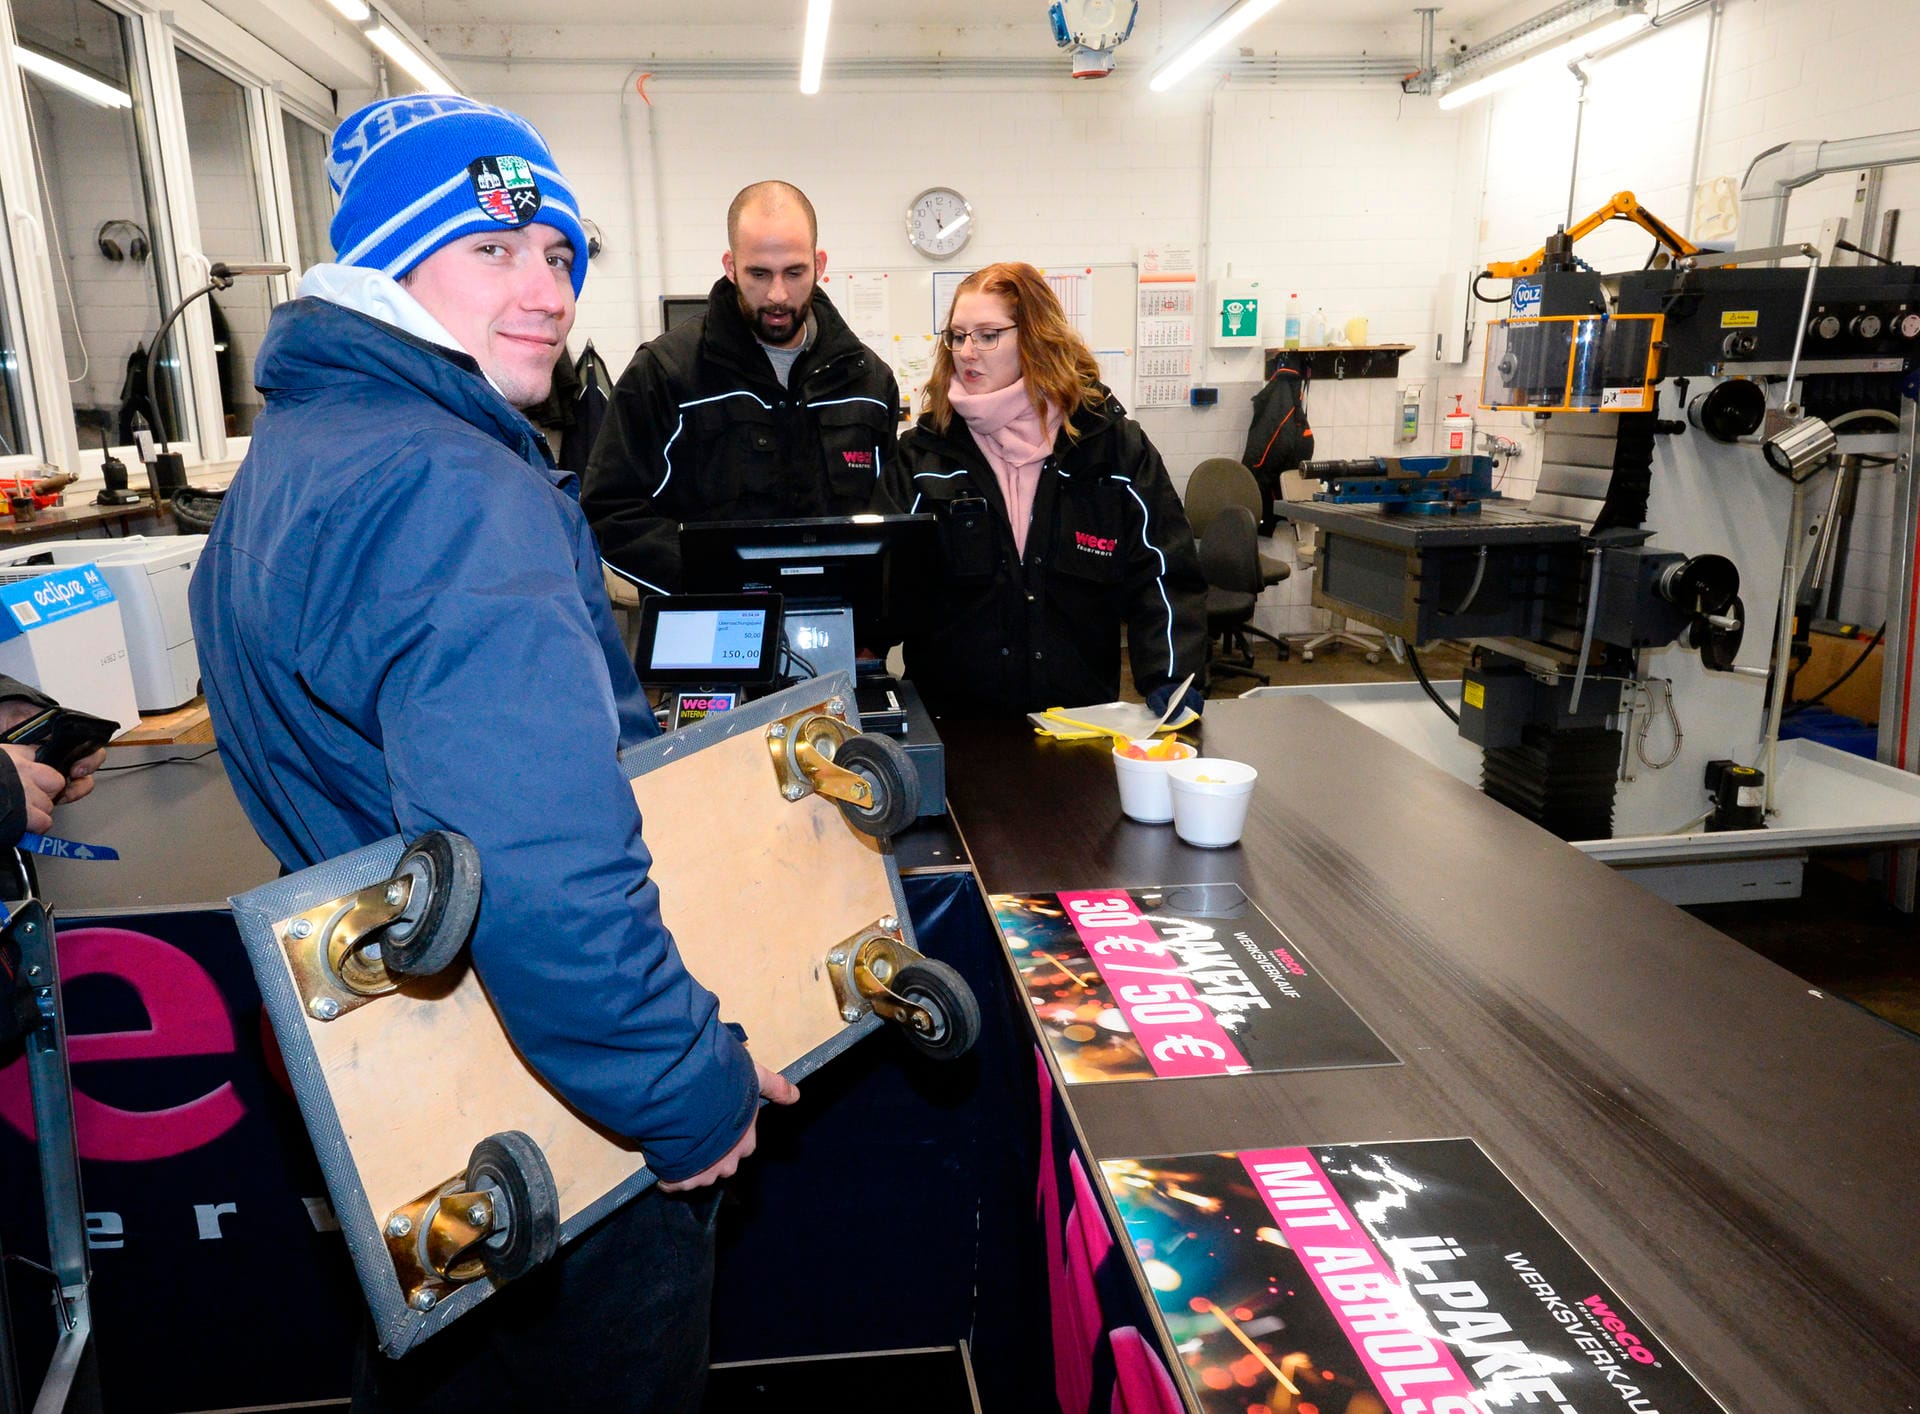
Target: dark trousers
{"points": [[617, 1321]]}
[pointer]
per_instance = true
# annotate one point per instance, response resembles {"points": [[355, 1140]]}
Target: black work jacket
{"points": [[1001, 634], [700, 429]]}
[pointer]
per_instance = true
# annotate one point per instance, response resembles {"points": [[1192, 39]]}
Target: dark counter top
{"points": [[1733, 1151]]}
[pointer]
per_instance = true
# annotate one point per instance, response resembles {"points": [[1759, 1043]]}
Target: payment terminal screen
{"points": [[721, 639]]}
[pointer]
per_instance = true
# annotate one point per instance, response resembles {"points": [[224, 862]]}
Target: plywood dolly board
{"points": [[767, 829]]}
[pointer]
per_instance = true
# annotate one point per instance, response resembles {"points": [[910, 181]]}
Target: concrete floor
{"points": [[1840, 935]]}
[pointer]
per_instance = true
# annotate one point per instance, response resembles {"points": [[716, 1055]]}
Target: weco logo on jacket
{"points": [[1095, 544]]}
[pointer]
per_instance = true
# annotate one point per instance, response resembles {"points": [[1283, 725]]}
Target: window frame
{"points": [[280, 110], [270, 81], [39, 337], [16, 295], [273, 84], [195, 327]]}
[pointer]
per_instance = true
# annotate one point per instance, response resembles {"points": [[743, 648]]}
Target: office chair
{"points": [[1219, 482], [1230, 563], [1296, 486]]}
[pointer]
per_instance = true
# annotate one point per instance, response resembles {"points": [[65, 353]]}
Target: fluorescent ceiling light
{"points": [[1558, 57], [393, 44], [813, 49], [355, 10], [80, 84], [1219, 34]]}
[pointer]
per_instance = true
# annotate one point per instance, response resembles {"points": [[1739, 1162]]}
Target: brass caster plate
{"points": [[863, 968], [333, 949], [802, 747], [432, 1238]]}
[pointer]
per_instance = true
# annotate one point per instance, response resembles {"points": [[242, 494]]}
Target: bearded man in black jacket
{"points": [[764, 407]]}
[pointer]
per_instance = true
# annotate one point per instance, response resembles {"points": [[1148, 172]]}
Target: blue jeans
{"points": [[617, 1321]]}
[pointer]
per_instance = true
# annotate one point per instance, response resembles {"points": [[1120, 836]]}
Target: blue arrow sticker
{"points": [[54, 848]]}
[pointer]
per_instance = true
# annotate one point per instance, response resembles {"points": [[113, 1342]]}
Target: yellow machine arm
{"points": [[1624, 206]]}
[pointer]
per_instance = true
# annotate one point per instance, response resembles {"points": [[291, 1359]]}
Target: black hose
{"points": [[1421, 673], [1488, 299], [1858, 663]]}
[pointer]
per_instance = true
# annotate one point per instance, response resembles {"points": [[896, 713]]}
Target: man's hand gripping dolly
{"points": [[774, 1088]]}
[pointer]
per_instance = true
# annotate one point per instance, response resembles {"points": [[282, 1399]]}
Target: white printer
{"points": [[148, 577]]}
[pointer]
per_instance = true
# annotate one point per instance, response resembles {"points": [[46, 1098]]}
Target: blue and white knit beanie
{"points": [[414, 173]]}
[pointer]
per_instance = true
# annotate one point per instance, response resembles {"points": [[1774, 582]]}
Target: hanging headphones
{"points": [[139, 248]]}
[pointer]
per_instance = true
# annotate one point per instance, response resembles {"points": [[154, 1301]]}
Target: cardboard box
{"points": [[61, 631], [1859, 696]]}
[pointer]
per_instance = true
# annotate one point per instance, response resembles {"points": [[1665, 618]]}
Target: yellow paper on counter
{"points": [[1128, 719]]}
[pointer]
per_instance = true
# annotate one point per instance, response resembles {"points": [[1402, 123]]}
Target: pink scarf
{"points": [[1015, 440]]}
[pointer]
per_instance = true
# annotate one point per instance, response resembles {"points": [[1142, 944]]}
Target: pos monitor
{"points": [[841, 576], [709, 639]]}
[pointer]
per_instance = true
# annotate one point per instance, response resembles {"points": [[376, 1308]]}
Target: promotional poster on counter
{"points": [[1176, 981], [1393, 1278]]}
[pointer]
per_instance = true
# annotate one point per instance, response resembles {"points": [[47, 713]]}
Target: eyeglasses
{"points": [[983, 339]]}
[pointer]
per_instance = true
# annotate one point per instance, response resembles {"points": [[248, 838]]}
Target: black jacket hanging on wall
{"points": [[593, 385], [1279, 439]]}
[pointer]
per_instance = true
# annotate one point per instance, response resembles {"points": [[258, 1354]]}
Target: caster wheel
{"points": [[445, 869], [1373, 657], [953, 1013], [511, 1170], [884, 765], [1306, 656]]}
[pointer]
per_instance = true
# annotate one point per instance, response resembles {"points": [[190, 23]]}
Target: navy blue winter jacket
{"points": [[402, 627]]}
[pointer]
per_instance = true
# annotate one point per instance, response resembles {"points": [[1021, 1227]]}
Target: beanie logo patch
{"points": [[504, 188]]}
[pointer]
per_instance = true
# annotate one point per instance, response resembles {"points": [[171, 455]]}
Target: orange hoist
{"points": [[1557, 253]]}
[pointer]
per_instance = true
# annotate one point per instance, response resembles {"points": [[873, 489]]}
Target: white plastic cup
{"points": [[1143, 784], [1210, 798]]}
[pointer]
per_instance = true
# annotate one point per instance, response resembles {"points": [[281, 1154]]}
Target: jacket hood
{"points": [[313, 344]]}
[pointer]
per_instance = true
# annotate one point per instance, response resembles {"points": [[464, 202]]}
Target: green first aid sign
{"points": [[1239, 318]]}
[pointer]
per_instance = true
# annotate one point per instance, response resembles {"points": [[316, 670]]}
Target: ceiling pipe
{"points": [[1778, 170]]}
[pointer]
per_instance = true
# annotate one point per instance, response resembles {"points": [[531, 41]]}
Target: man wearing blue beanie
{"points": [[402, 627]]}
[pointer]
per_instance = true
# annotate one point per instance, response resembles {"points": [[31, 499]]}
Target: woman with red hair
{"points": [[1058, 523]]}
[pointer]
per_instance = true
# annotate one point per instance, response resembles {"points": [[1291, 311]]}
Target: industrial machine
{"points": [[1631, 624], [1557, 252], [1434, 486]]}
